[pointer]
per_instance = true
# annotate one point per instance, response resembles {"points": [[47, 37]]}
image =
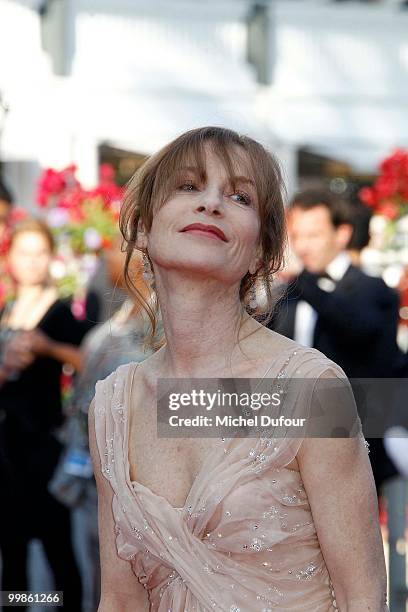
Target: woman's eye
{"points": [[242, 198], [187, 187]]}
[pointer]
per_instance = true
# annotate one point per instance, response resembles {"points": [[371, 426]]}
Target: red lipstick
{"points": [[210, 229]]}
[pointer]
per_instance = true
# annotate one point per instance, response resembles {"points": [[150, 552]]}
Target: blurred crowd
{"points": [[324, 299]]}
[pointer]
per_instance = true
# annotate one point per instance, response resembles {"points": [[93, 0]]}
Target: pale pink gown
{"points": [[245, 540]]}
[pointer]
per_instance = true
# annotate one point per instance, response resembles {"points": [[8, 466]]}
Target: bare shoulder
{"points": [[310, 362], [149, 369], [269, 336], [121, 370], [262, 344]]}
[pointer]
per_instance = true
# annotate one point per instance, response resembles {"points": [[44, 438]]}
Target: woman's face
{"points": [[29, 258], [227, 250]]}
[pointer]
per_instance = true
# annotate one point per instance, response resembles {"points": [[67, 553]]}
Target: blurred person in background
{"points": [[38, 334], [360, 238], [332, 305], [6, 207], [103, 295], [119, 340], [6, 203]]}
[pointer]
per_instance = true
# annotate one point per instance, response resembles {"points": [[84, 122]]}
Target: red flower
{"points": [[404, 190], [395, 161], [386, 186], [108, 192], [5, 241], [388, 209], [53, 183], [71, 169], [389, 193], [50, 183], [367, 195], [106, 243], [61, 190], [66, 382]]}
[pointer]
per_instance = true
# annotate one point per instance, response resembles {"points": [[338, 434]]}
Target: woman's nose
{"points": [[211, 203]]}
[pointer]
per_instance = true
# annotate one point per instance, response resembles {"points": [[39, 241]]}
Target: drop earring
{"points": [[253, 301], [148, 272]]}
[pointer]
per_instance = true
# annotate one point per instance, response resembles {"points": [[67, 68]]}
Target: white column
{"points": [[21, 178], [84, 153]]}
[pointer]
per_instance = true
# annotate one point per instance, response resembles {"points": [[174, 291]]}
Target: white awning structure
{"points": [[139, 74], [341, 79]]}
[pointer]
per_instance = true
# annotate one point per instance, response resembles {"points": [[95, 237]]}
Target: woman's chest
{"points": [[30, 313], [168, 467]]}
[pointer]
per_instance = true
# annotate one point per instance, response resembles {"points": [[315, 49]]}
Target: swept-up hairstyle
{"points": [[155, 181]]}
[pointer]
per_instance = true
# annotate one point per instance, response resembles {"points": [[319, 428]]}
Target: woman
{"points": [[119, 340], [38, 335], [223, 524]]}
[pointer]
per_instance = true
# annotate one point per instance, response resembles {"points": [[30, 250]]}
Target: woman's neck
{"points": [[202, 320], [30, 291], [143, 291]]}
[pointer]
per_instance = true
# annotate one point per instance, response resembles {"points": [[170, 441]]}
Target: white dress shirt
{"points": [[306, 316]]}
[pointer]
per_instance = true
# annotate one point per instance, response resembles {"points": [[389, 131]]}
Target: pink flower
{"points": [[78, 308], [92, 239], [57, 217]]}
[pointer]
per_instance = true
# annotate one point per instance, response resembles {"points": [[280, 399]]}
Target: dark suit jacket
{"points": [[356, 324], [356, 327]]}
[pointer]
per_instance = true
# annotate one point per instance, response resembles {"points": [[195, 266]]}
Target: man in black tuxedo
{"points": [[335, 307]]}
